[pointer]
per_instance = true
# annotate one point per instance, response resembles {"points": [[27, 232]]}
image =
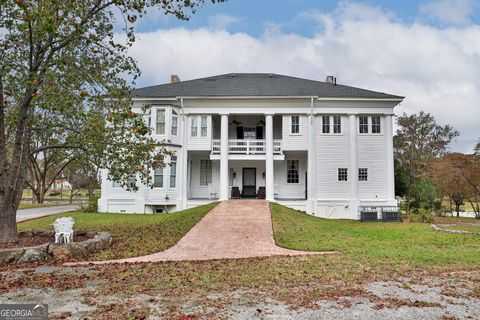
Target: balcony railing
{"points": [[247, 146]]}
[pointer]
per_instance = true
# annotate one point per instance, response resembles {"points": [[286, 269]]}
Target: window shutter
{"points": [[239, 132], [259, 132]]}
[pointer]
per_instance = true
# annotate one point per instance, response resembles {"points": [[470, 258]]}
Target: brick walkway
{"points": [[234, 229]]}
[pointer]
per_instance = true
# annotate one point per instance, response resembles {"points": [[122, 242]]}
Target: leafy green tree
{"points": [[400, 179], [419, 141], [424, 195], [62, 58]]}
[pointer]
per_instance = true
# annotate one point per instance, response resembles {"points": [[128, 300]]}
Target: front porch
{"points": [[247, 177]]}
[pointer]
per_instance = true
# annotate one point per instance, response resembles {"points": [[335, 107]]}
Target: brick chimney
{"points": [[331, 79], [174, 78]]}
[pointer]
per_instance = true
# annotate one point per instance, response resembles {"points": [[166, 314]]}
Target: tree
{"points": [[419, 141], [469, 166], [62, 57], [82, 176], [47, 164], [448, 176], [400, 179]]}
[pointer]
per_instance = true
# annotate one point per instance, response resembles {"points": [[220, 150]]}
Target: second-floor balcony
{"points": [[247, 146]]}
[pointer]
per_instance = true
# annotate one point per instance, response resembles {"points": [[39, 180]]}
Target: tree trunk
{"points": [[8, 224]]}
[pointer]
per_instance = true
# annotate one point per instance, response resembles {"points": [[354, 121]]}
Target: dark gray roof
{"points": [[256, 84]]}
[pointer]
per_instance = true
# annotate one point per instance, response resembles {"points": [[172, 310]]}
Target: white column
{"points": [[224, 157], [352, 170], [269, 157], [311, 197], [184, 159], [390, 167]]}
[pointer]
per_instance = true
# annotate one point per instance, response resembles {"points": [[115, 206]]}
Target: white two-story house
{"points": [[311, 145]]}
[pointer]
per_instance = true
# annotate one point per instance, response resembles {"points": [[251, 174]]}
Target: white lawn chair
{"points": [[63, 229]]}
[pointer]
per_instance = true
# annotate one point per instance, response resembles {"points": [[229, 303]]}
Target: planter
{"points": [[56, 251]]}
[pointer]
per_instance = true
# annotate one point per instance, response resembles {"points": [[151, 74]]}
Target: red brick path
{"points": [[233, 229]]}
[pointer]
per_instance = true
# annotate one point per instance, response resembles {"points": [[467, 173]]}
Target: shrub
{"points": [[92, 205], [422, 215]]}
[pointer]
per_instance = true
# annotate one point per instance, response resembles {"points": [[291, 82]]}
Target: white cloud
{"points": [[436, 69], [222, 21], [450, 11]]}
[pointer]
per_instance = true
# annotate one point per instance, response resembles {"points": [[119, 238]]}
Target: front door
{"points": [[249, 182]]}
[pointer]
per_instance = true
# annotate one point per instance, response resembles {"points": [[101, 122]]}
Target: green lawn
{"points": [[134, 234], [410, 245], [366, 252]]}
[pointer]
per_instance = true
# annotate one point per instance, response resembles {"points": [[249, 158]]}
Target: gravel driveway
{"points": [[442, 297]]}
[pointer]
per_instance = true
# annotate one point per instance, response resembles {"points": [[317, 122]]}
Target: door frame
{"points": [[255, 179]]}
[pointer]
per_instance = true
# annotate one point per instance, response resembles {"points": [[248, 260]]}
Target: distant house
{"points": [[316, 146]]}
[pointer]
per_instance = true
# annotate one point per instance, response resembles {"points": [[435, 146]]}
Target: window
{"points": [[337, 124], [292, 171], [174, 123], [205, 172], [160, 121], [131, 182], [362, 174], [158, 178], [376, 124], [325, 124], [342, 174], [194, 128], [203, 130], [295, 124], [173, 172], [363, 124]]}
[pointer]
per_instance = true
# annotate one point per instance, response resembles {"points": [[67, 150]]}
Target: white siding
{"points": [[331, 153], [295, 141], [371, 154], [284, 190]]}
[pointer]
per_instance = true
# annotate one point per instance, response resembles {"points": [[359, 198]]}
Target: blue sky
{"points": [[427, 51], [252, 16]]}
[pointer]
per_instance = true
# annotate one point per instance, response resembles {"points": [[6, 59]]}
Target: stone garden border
{"points": [[441, 227], [56, 251]]}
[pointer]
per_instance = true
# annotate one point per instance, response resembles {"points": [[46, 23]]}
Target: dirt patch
{"points": [[30, 239], [442, 296]]}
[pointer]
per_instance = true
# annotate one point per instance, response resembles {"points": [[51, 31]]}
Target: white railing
{"points": [[246, 146]]}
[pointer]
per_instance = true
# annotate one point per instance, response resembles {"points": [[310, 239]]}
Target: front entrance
{"points": [[249, 182]]}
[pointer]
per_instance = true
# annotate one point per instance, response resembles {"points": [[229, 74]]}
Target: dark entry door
{"points": [[249, 182]]}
